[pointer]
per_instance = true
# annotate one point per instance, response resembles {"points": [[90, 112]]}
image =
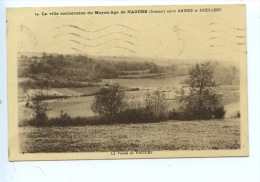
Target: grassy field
{"points": [[169, 135]]}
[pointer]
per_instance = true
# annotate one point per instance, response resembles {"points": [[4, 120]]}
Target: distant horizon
{"points": [[149, 59]]}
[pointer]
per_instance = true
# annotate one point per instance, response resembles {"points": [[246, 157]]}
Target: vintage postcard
{"points": [[127, 82]]}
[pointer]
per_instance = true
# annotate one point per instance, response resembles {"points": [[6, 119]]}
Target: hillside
{"points": [[63, 71]]}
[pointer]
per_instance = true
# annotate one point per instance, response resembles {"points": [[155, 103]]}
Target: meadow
{"points": [[168, 135]]}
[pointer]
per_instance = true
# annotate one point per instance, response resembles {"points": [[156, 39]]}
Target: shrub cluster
{"points": [[126, 117], [141, 115], [216, 113]]}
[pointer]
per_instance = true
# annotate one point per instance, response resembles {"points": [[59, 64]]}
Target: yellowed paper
{"points": [[127, 82]]}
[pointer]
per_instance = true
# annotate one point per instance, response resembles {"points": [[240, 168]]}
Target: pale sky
{"points": [[215, 35]]}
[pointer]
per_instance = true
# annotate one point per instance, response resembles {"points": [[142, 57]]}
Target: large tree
{"points": [[109, 102], [198, 95]]}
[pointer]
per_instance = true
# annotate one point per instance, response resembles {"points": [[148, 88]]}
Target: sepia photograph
{"points": [[127, 82]]}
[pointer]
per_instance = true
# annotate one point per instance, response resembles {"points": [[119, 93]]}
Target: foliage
{"points": [[133, 65], [219, 112], [176, 115], [226, 74], [109, 102], [133, 102], [39, 108], [68, 67], [77, 67], [61, 71], [46, 83], [152, 109], [156, 103], [236, 115], [64, 117], [140, 115], [198, 96]]}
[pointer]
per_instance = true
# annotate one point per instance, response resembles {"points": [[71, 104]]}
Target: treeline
{"points": [[198, 100], [67, 71], [45, 84], [226, 75], [69, 67], [81, 68], [63, 71], [137, 67]]}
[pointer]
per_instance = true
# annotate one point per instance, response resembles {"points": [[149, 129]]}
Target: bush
{"points": [[40, 118], [176, 115], [64, 118], [156, 103], [140, 115], [109, 102], [219, 112], [39, 108], [236, 115]]}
